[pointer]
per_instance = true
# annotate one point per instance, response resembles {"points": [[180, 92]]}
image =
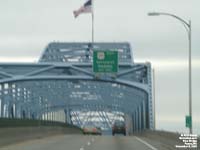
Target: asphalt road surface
{"points": [[81, 142]]}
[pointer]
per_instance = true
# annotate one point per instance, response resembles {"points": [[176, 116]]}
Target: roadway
{"points": [[81, 142]]}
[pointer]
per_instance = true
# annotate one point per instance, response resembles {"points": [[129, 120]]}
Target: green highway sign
{"points": [[188, 121], [105, 61]]}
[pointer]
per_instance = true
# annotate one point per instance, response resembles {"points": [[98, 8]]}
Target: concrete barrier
{"points": [[167, 139], [18, 134]]}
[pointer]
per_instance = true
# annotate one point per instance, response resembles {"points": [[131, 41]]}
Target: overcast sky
{"points": [[27, 26]]}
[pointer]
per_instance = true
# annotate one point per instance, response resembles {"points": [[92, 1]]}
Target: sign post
{"points": [[105, 61], [188, 121]]}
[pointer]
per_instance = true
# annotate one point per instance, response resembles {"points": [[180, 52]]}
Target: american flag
{"points": [[86, 8]]}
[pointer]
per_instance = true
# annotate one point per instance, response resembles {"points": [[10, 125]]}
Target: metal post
{"points": [[154, 99], [92, 22], [136, 120], [190, 76], [188, 28], [144, 114], [2, 100], [51, 115], [140, 118]]}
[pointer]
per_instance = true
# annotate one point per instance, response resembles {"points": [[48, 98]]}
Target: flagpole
{"points": [[92, 21]]}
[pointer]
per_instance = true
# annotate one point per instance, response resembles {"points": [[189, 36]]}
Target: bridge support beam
{"points": [[129, 124], [51, 116], [2, 107], [47, 114], [136, 121], [144, 114], [11, 107], [16, 110], [67, 116], [139, 118]]}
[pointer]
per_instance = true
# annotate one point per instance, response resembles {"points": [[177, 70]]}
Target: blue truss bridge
{"points": [[61, 86]]}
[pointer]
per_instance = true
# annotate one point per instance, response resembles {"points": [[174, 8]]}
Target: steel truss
{"points": [[62, 84]]}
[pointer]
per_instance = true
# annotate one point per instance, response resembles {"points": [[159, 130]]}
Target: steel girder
{"points": [[34, 89]]}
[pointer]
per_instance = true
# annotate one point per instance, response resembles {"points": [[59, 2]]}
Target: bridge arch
{"points": [[40, 90]]}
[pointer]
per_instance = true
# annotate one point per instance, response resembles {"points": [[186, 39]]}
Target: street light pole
{"points": [[187, 26], [190, 75]]}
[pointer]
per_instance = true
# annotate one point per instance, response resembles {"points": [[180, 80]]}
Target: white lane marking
{"points": [[88, 143], [147, 144], [82, 148]]}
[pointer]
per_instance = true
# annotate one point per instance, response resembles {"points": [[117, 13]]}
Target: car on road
{"points": [[119, 127], [92, 130]]}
